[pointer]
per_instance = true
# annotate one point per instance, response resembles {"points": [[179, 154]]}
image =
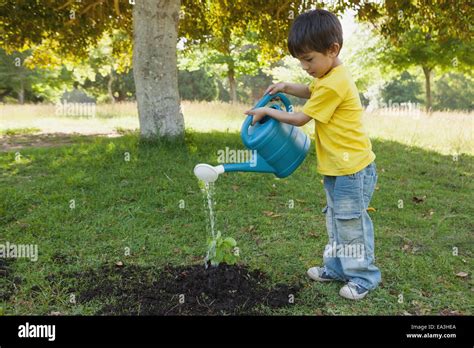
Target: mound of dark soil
{"points": [[190, 290]]}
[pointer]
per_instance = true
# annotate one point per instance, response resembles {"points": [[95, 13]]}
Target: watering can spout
{"points": [[208, 173]]}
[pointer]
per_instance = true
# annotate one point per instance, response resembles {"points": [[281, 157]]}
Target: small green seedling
{"points": [[222, 250]]}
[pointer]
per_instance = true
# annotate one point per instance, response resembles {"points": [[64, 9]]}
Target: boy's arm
{"points": [[294, 118], [301, 91]]}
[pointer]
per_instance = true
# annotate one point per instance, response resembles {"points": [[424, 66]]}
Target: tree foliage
{"points": [[406, 88], [454, 92], [68, 28], [424, 33]]}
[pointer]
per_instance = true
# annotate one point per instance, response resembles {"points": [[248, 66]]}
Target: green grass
{"points": [[19, 131], [135, 204]]}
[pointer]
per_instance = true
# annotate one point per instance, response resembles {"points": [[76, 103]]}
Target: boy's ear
{"points": [[333, 51]]}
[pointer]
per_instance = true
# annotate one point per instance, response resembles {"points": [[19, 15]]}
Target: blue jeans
{"points": [[349, 256]]}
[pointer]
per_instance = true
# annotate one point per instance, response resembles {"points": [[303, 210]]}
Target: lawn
{"points": [[86, 205]]}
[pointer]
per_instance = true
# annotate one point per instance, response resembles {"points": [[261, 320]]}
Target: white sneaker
{"points": [[319, 274], [353, 291]]}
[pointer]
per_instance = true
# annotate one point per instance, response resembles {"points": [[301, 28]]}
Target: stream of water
{"points": [[208, 190]]}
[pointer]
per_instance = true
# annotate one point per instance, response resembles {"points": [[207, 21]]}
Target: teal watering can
{"points": [[277, 147]]}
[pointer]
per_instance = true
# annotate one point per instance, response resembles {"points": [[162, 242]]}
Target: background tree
{"points": [[404, 89], [423, 33], [454, 91], [155, 26], [23, 81], [416, 48], [246, 35], [197, 85], [16, 78]]}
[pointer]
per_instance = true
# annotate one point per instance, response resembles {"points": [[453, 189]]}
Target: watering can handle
{"points": [[264, 101]]}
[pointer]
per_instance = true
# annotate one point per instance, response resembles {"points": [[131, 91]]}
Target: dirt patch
{"points": [[190, 290], [17, 142]]}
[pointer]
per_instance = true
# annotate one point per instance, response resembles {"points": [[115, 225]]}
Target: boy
{"points": [[343, 150]]}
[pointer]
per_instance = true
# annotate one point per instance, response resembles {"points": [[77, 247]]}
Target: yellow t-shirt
{"points": [[342, 145]]}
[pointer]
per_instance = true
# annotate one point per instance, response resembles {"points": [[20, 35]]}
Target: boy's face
{"points": [[317, 64]]}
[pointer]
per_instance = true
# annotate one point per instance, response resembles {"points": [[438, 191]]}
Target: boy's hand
{"points": [[258, 114], [277, 87]]}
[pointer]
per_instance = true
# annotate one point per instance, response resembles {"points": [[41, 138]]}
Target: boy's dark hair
{"points": [[314, 30]]}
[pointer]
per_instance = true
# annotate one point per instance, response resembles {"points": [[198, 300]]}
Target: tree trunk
{"points": [[232, 82], [155, 27], [427, 72], [21, 93], [109, 86]]}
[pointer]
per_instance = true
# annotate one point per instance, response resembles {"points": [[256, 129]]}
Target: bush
{"points": [[196, 85], [453, 92], [404, 89]]}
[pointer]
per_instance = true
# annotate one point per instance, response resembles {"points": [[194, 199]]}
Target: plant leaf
{"points": [[230, 241]]}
